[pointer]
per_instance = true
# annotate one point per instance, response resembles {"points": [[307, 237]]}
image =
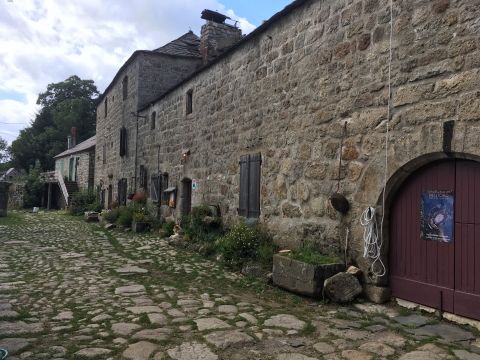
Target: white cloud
{"points": [[45, 41]]}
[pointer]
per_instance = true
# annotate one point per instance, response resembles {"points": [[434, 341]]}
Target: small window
{"points": [[189, 102], [122, 192], [153, 120], [163, 187], [143, 177], [249, 199], [125, 87], [155, 188], [104, 150], [123, 141], [106, 106]]}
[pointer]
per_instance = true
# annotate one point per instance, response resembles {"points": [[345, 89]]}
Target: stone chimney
{"points": [[217, 36], [73, 134]]}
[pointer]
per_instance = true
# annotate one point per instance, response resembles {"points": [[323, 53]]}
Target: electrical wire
{"points": [[372, 243]]}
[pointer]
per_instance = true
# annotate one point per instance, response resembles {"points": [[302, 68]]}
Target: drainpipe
{"points": [[137, 116]]}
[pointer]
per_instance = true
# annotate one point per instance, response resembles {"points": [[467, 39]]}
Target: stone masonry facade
{"points": [[286, 92]]}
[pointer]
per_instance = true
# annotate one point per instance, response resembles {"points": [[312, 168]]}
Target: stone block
{"points": [[342, 288], [377, 294], [302, 278]]}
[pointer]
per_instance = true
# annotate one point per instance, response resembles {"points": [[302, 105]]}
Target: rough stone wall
{"points": [[15, 195], [287, 93], [84, 167], [158, 73], [149, 75]]}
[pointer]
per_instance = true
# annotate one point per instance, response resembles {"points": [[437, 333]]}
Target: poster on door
{"points": [[437, 216]]}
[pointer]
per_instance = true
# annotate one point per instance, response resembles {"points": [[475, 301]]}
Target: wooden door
{"points": [[421, 270], [441, 275], [467, 236], [186, 197]]}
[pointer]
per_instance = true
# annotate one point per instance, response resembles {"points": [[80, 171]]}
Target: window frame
{"points": [[189, 102], [153, 120], [125, 87]]}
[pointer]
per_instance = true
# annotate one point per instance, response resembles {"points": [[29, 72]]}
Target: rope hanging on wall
{"points": [[372, 244]]}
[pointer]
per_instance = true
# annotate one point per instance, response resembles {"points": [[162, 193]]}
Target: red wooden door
{"points": [[420, 270], [441, 275], [467, 239]]}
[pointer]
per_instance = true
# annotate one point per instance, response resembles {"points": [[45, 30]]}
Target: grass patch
{"points": [[12, 218], [308, 329], [308, 254]]}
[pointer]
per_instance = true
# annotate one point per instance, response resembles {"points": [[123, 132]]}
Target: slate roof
{"points": [[186, 45], [83, 146]]}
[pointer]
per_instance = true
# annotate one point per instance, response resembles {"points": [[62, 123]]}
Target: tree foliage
{"points": [[4, 151], [63, 105]]}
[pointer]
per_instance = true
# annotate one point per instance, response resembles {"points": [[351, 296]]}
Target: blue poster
{"points": [[437, 216]]}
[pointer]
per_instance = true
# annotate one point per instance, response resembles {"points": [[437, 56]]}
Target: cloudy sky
{"points": [[46, 41]]}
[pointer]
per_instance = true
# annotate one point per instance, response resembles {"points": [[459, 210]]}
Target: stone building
{"points": [[260, 131]]}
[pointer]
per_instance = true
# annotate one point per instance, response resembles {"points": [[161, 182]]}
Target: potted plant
{"points": [[304, 270], [140, 220]]}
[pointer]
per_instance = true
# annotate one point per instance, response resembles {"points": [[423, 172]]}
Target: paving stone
{"points": [[190, 351], [8, 314], [226, 339], [211, 324], [250, 318], [419, 355], [92, 353], [378, 348], [124, 329], [19, 328], [413, 320], [140, 351], [153, 334], [144, 309], [324, 348], [100, 318], [465, 355], [157, 319], [131, 270], [64, 316], [294, 356], [448, 332], [285, 321], [227, 309], [356, 355], [130, 289], [14, 345], [189, 302], [175, 313]]}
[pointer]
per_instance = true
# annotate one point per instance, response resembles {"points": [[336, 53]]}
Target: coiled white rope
{"points": [[372, 244]]}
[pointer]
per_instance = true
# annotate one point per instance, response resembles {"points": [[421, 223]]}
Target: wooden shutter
{"points": [[243, 197], [254, 165], [155, 188], [122, 142], [163, 187]]}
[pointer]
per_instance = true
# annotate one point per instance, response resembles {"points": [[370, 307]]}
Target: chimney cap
{"points": [[214, 16]]}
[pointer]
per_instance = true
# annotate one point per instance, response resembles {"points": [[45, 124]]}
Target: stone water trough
{"points": [[302, 278]]}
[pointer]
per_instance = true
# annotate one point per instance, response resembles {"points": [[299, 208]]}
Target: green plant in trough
{"points": [[110, 216], [125, 216], [167, 228], [84, 200], [311, 255]]}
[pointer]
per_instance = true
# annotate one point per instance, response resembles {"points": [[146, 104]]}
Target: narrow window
{"points": [[249, 199], [163, 187], [123, 141], [122, 191], [104, 150], [143, 177], [153, 120], [155, 188], [106, 106], [189, 102], [125, 87]]}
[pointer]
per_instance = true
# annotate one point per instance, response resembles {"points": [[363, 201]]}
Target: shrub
{"points": [[82, 201], [167, 228], [110, 216], [125, 216], [245, 243], [33, 188]]}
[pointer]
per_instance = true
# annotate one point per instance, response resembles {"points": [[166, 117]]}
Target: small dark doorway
{"points": [[186, 197], [109, 196]]}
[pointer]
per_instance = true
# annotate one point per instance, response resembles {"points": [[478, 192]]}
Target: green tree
{"points": [[33, 187], [67, 104], [4, 151]]}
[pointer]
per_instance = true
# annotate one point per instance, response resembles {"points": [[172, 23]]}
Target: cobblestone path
{"points": [[72, 290]]}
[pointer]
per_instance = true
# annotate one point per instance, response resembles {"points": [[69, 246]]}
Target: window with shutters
{"points": [[123, 141], [143, 177], [155, 188], [122, 192], [163, 186], [250, 172]]}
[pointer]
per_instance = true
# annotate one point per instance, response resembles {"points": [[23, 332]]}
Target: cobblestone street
{"points": [[72, 290]]}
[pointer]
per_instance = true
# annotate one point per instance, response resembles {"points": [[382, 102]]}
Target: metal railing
{"points": [[55, 177]]}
